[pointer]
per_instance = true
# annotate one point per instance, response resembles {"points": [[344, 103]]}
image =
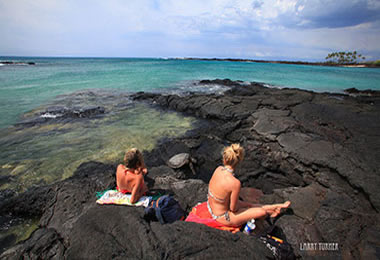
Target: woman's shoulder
{"points": [[218, 169], [234, 182], [120, 167]]}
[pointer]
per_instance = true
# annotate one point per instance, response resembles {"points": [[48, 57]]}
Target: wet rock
{"points": [[7, 241], [245, 90], [43, 244], [61, 114], [76, 112], [6, 194], [4, 179], [223, 82], [31, 203], [368, 92]]}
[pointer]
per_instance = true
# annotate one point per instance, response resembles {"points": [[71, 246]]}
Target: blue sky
{"points": [[258, 29]]}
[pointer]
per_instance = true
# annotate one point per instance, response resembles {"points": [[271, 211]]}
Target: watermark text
{"points": [[319, 246]]}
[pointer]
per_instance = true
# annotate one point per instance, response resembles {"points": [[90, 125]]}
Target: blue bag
{"points": [[167, 209]]}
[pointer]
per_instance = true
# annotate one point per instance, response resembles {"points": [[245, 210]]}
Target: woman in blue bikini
{"points": [[223, 193]]}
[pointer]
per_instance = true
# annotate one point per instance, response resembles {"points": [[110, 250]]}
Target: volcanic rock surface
{"points": [[318, 150]]}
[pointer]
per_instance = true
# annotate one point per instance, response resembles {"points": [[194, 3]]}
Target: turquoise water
{"points": [[23, 88]]}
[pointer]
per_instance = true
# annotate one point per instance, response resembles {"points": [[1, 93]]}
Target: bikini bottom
{"points": [[225, 215]]}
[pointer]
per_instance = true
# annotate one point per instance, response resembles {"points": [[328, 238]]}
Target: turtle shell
{"points": [[179, 160]]}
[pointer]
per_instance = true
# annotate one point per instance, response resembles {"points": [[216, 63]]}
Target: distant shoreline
{"points": [[353, 65], [2, 63], [359, 65]]}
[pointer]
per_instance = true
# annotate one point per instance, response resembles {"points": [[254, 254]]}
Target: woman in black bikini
{"points": [[223, 193]]}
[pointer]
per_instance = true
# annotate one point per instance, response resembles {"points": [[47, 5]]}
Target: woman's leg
{"points": [[273, 209], [245, 214]]}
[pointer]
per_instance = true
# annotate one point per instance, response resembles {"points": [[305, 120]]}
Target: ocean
{"points": [[23, 88]]}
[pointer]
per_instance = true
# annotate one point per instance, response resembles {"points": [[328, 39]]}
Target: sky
{"points": [[258, 29]]}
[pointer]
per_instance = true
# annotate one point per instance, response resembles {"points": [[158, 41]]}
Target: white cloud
{"points": [[239, 27]]}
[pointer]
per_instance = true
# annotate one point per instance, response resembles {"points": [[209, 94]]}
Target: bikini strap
{"points": [[214, 197], [229, 170]]}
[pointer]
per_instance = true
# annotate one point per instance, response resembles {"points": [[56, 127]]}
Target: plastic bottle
{"points": [[249, 227]]}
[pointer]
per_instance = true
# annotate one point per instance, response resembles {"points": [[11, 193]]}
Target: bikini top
{"points": [[229, 170], [214, 197]]}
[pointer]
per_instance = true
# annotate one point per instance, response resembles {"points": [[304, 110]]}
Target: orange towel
{"points": [[200, 214]]}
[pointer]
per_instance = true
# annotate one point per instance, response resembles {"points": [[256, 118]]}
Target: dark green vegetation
{"points": [[349, 58], [376, 63], [344, 57]]}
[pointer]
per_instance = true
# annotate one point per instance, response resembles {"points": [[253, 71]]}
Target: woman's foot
{"points": [[277, 210]]}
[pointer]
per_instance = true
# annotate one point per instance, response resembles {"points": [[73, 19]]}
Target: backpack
{"points": [[166, 209], [279, 247]]}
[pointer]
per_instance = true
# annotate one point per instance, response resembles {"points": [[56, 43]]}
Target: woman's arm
{"points": [[136, 194], [144, 171], [234, 199], [118, 174], [141, 159]]}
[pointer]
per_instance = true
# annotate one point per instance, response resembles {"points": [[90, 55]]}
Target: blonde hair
{"points": [[133, 159], [233, 154]]}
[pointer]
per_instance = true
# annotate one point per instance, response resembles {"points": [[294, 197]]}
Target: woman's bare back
{"points": [[131, 181], [220, 189]]}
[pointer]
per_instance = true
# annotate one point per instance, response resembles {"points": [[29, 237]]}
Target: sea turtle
{"points": [[181, 159]]}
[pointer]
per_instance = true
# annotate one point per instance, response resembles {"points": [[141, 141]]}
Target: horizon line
{"points": [[161, 57]]}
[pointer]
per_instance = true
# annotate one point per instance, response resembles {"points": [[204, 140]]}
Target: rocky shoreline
{"points": [[16, 63], [328, 64], [319, 150]]}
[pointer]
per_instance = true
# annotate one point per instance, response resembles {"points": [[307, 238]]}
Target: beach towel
{"points": [[118, 198], [200, 214]]}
